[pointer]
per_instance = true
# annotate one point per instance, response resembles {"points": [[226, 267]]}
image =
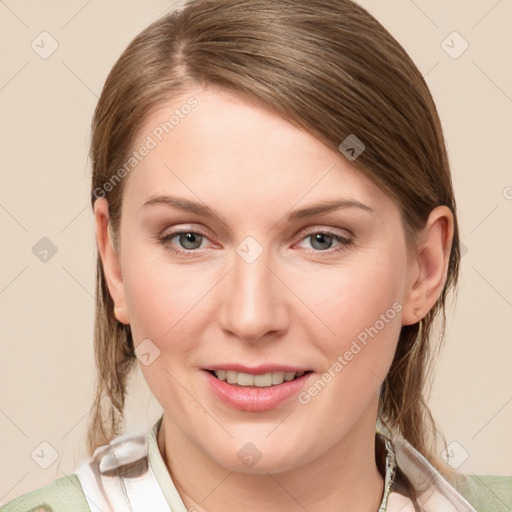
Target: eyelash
{"points": [[165, 240]]}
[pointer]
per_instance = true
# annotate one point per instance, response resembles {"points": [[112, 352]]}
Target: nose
{"points": [[253, 306]]}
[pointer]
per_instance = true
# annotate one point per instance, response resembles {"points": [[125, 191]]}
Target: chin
{"points": [[261, 457]]}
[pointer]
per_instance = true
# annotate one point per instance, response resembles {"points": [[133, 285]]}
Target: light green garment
{"points": [[66, 494]]}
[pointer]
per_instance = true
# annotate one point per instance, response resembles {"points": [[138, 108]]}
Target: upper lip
{"points": [[259, 369]]}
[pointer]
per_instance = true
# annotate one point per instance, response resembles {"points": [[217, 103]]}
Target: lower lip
{"points": [[255, 399]]}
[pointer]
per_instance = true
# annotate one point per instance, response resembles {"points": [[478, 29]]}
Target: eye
{"points": [[187, 242], [322, 241]]}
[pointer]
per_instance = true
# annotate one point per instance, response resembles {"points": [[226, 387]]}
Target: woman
{"points": [[277, 233]]}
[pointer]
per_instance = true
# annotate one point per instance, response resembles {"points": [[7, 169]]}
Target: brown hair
{"points": [[327, 66]]}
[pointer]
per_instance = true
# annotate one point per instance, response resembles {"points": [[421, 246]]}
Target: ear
{"points": [[110, 259], [430, 265]]}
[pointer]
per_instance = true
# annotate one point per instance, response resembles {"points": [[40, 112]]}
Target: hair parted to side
{"points": [[327, 66]]}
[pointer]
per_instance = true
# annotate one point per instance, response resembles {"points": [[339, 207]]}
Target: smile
{"points": [[255, 392], [263, 380]]}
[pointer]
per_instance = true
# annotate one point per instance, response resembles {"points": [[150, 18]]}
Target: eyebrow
{"points": [[201, 209]]}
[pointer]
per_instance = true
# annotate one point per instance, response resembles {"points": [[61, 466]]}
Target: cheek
{"points": [[160, 301], [357, 318], [164, 300], [349, 299]]}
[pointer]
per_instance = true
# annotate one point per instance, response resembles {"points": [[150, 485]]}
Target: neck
{"points": [[343, 479]]}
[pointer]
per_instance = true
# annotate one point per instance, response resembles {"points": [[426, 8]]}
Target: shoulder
{"points": [[62, 495], [482, 493], [107, 475], [487, 492]]}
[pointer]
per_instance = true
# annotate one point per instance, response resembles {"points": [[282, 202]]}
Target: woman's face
{"points": [[252, 276]]}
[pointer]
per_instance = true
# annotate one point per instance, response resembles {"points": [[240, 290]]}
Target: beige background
{"points": [[46, 322]]}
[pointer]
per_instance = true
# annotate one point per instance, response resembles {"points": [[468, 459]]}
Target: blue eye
{"points": [[188, 242], [324, 240]]}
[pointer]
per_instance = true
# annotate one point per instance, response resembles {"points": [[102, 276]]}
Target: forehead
{"points": [[220, 147]]}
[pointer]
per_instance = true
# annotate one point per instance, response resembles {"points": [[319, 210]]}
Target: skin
{"points": [[300, 303]]}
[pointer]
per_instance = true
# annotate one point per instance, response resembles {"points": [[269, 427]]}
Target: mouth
{"points": [[262, 380], [258, 391]]}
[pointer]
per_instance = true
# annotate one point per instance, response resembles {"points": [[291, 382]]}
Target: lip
{"points": [[252, 399], [258, 370]]}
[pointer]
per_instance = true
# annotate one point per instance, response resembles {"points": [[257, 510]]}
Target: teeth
{"points": [[277, 377], [245, 379], [231, 377], [261, 381]]}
